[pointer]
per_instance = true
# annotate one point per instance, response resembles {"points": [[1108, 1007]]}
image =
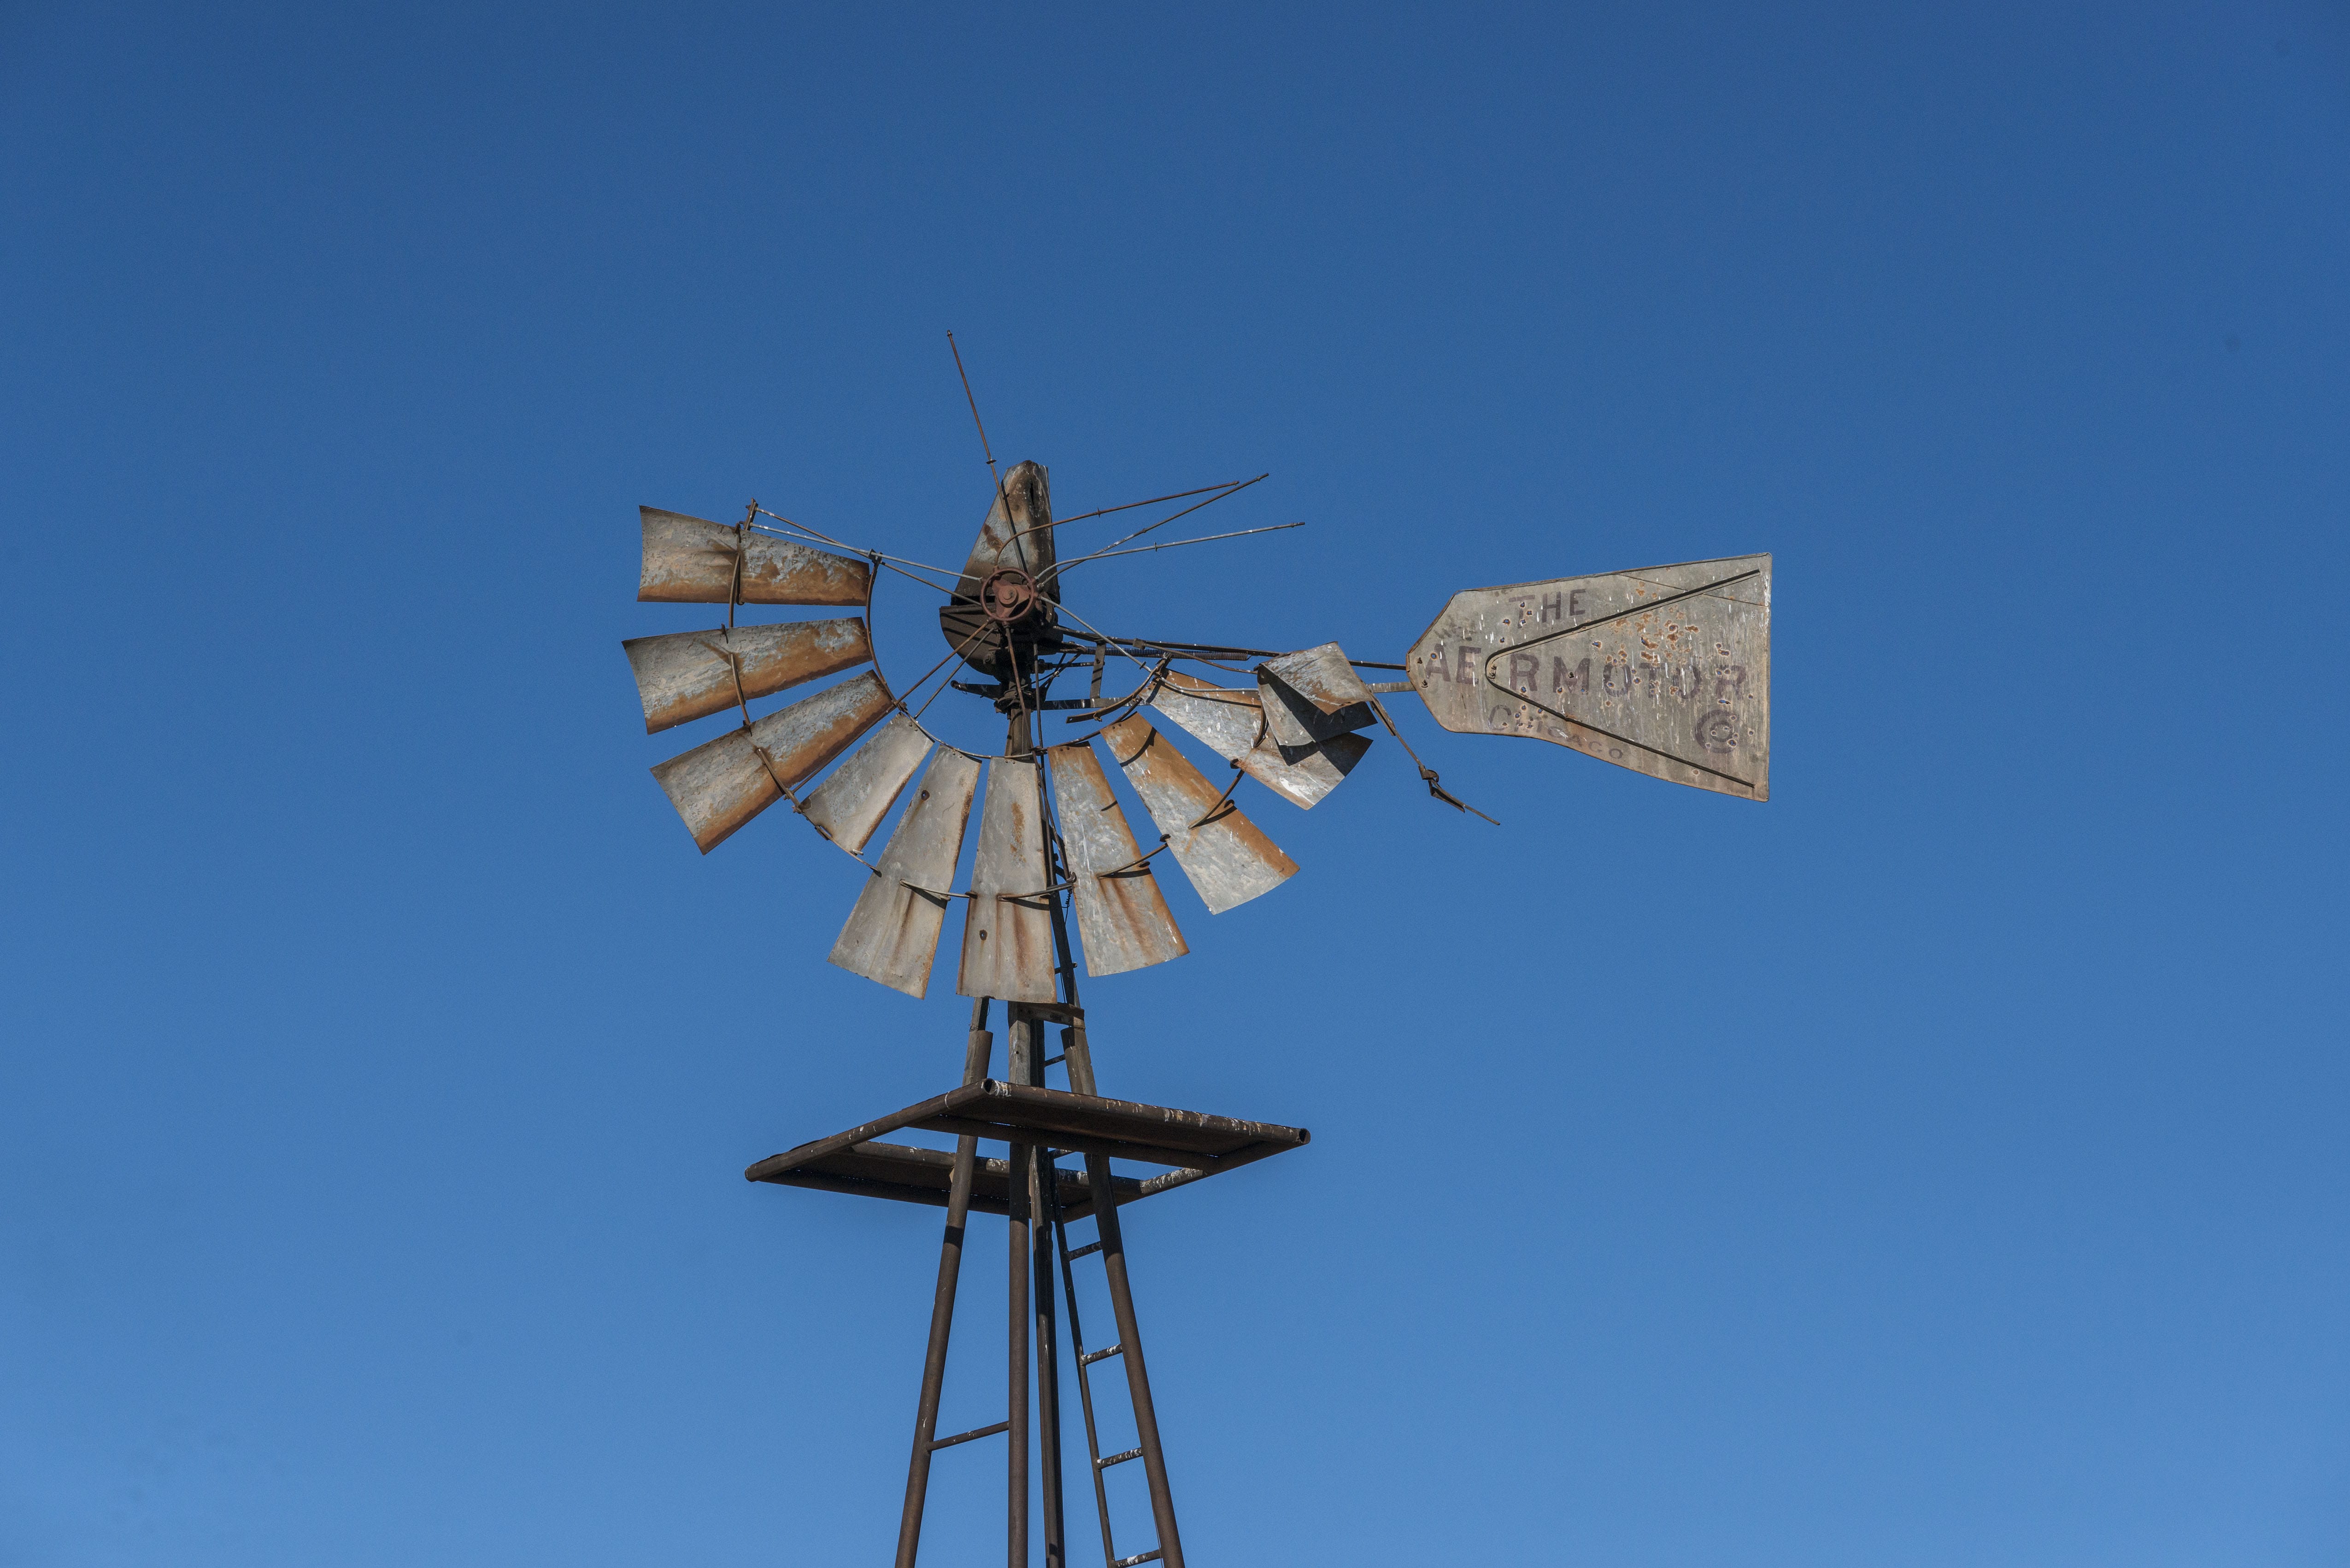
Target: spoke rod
{"points": [[1162, 523], [1129, 506], [1175, 544]]}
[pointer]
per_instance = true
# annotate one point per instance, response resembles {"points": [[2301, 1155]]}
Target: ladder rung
{"points": [[1117, 1459], [1052, 1061], [1149, 1556], [1081, 1251], [967, 1436], [1091, 1356]]}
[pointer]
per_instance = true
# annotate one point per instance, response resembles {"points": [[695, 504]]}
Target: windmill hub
{"points": [[1009, 596]]}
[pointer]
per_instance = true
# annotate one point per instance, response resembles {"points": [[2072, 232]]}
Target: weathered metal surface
{"points": [[892, 934], [906, 1173], [1662, 670], [1019, 537], [1227, 858], [687, 675], [1123, 922], [1312, 696], [1022, 1113], [848, 807], [1007, 936], [1015, 543], [722, 784], [691, 560], [1232, 724]]}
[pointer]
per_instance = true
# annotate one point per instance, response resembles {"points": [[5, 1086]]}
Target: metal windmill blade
{"points": [[687, 675], [848, 806], [1233, 724], [1312, 698], [1123, 920], [892, 934], [1007, 940], [722, 784], [692, 560], [1227, 858]]}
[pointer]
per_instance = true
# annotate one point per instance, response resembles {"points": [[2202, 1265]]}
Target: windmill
{"points": [[1662, 670]]}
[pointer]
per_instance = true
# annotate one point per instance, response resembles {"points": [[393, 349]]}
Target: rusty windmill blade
{"points": [[892, 934], [692, 560], [1662, 670], [724, 784], [1007, 936], [848, 807], [1234, 725], [687, 675], [1227, 858], [1123, 921]]}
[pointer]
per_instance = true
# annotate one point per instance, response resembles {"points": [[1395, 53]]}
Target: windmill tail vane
{"points": [[1665, 670]]}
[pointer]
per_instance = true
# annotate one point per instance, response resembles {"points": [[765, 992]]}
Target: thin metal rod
{"points": [[1015, 1529], [1206, 649], [952, 654], [1138, 1376], [1131, 506], [1178, 544], [1060, 568], [971, 1436], [986, 451], [1019, 1069], [977, 1048], [853, 549], [1081, 620], [1043, 1199]]}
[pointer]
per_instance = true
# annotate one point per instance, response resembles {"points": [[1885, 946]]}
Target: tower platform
{"points": [[1193, 1144]]}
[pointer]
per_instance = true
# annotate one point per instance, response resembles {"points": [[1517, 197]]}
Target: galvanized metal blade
{"points": [[719, 786], [691, 560], [1662, 670], [1312, 696], [1123, 921], [848, 807], [687, 675], [1007, 936], [1233, 724], [1227, 858], [892, 934]]}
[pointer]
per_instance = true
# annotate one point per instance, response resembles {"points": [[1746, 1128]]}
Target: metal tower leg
{"points": [[1048, 1368], [934, 1365], [1015, 1532]]}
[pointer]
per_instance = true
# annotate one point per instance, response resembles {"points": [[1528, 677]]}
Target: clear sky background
{"points": [[1941, 1163]]}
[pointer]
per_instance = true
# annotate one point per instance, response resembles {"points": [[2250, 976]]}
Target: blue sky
{"points": [[1941, 1163]]}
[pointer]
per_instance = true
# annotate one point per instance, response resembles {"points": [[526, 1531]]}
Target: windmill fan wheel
{"points": [[1649, 686]]}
